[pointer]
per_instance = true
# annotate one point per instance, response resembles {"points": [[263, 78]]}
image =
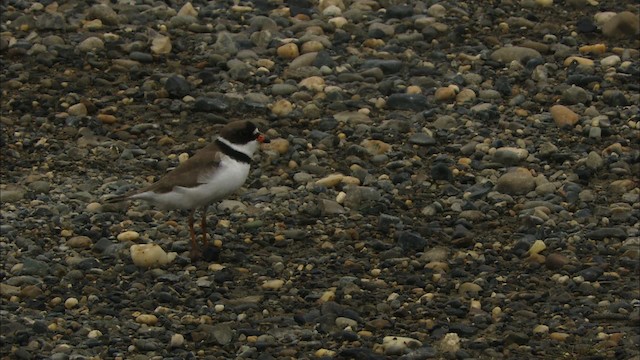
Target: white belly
{"points": [[214, 186]]}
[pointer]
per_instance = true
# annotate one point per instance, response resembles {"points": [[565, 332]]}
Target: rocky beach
{"points": [[445, 179]]}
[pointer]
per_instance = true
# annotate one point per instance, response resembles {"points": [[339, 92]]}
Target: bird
{"points": [[212, 174]]}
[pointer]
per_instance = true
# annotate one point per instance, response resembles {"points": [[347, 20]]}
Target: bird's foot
{"points": [[195, 253], [210, 253], [207, 252]]}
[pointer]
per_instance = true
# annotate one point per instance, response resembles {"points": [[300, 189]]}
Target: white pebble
{"points": [[150, 255]]}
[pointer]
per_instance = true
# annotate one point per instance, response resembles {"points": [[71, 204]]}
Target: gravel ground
{"points": [[446, 180]]}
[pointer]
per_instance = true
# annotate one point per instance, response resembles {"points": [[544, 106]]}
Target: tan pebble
{"points": [[522, 112], [324, 353], [147, 319], [187, 10], [252, 339], [66, 233], [288, 51], [328, 295], [183, 157], [593, 49], [373, 43], [330, 181], [161, 45], [559, 336], [610, 61], [475, 304], [30, 292], [445, 94], [79, 242], [279, 145], [282, 108], [177, 340], [338, 21], [273, 284], [218, 308], [94, 334], [216, 267], [496, 312], [438, 266], [622, 186], [613, 148], [563, 116], [376, 147], [450, 343], [166, 141], [340, 198], [469, 287], [327, 245], [107, 118], [312, 46], [94, 207], [150, 255], [314, 83], [602, 17], [55, 301], [580, 60], [241, 9], [323, 4], [464, 161], [413, 89], [541, 329], [537, 247], [128, 236], [350, 180], [70, 303], [78, 109], [544, 3], [465, 95]]}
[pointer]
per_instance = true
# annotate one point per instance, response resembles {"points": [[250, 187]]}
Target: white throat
{"points": [[248, 149]]}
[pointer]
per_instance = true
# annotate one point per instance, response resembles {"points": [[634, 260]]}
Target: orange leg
{"points": [[195, 249], [203, 225]]}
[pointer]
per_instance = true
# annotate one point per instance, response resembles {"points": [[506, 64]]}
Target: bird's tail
{"points": [[116, 199]]}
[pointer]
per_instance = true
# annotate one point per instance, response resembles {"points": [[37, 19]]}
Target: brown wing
{"points": [[187, 173]]}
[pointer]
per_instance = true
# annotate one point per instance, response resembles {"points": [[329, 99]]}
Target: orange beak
{"points": [[263, 139]]}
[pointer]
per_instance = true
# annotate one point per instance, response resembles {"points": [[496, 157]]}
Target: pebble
{"points": [[70, 303], [150, 255], [129, 235], [508, 54], [177, 341], [273, 284], [81, 242], [288, 51], [147, 319], [563, 116], [399, 345], [517, 181]]}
